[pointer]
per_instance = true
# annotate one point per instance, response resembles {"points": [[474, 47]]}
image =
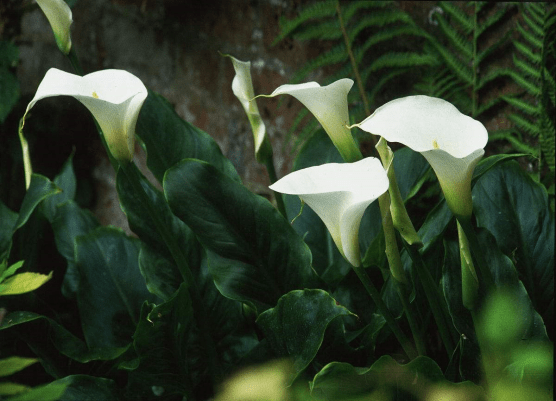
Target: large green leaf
{"points": [[165, 341], [255, 256], [387, 379], [39, 189], [505, 276], [111, 288], [67, 183], [70, 222], [410, 168], [152, 220], [295, 327], [87, 388], [516, 211], [26, 326], [169, 139], [7, 223]]}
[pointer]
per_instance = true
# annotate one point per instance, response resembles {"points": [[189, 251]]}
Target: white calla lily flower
{"points": [[59, 16], [339, 194], [452, 142], [329, 105], [242, 86], [114, 97]]}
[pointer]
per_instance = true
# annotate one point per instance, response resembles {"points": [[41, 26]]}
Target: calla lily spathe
{"points": [[59, 16], [452, 142], [339, 194], [114, 97], [242, 86], [329, 105]]}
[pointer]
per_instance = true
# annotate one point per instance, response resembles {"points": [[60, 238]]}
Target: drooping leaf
{"points": [[39, 189], [111, 288], [67, 183], [169, 139], [254, 254], [516, 211], [295, 327], [387, 379], [13, 364], [23, 282], [69, 223], [26, 325]]}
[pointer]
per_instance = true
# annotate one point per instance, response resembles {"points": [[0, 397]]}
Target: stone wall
{"points": [[172, 46]]}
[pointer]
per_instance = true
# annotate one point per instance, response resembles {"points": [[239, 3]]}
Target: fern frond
{"points": [[354, 7], [487, 106], [461, 70], [405, 59], [326, 30], [482, 55], [458, 15], [537, 14], [527, 68], [335, 55], [461, 43], [522, 105], [490, 21], [535, 58], [386, 35], [547, 140], [517, 144], [524, 124], [538, 30], [379, 20], [313, 11], [530, 37], [384, 80]]}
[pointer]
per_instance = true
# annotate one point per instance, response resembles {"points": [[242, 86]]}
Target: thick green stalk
{"points": [[409, 314], [436, 302], [375, 295], [269, 164], [469, 281], [74, 60], [483, 272]]}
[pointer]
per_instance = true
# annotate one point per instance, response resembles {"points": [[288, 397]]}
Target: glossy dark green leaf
{"points": [[67, 183], [410, 168], [111, 288], [166, 343], [516, 211], [87, 388], [161, 274], [255, 255], [169, 139], [71, 221], [295, 327], [28, 324], [39, 189], [152, 220], [7, 222], [505, 276], [485, 165], [387, 379]]}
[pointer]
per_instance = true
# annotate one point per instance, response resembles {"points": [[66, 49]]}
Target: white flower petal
{"points": [[114, 97], [242, 86], [339, 194], [59, 16], [329, 105], [451, 141]]}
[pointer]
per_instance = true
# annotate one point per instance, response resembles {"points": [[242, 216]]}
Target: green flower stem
{"points": [[74, 60], [375, 295], [269, 164], [483, 273], [409, 314], [469, 280], [199, 308], [392, 252], [436, 301]]}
